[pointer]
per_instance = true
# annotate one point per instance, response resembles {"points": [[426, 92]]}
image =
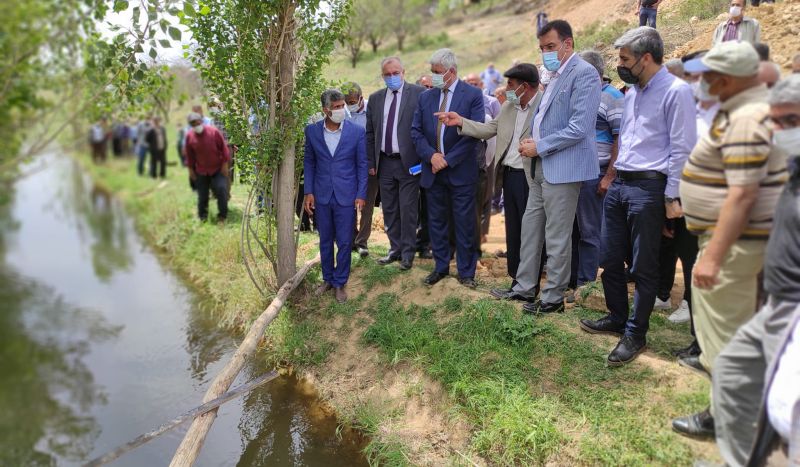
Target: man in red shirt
{"points": [[208, 159]]}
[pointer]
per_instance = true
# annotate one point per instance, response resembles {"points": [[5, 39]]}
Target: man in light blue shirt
{"points": [[491, 79], [658, 133]]}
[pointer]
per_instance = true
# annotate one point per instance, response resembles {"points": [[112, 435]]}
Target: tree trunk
{"points": [[375, 44], [400, 40], [284, 193]]}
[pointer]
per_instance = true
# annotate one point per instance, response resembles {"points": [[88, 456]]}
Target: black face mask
{"points": [[626, 74]]}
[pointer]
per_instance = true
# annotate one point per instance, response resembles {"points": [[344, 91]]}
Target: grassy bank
{"points": [[437, 375]]}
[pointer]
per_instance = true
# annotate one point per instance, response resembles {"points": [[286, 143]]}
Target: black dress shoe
{"points": [[602, 326], [509, 294], [434, 277], [626, 351], [693, 350], [388, 260], [542, 307], [425, 254], [699, 425], [468, 282], [693, 363], [406, 264]]}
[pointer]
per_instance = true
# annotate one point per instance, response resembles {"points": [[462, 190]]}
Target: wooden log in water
{"points": [[211, 405], [192, 442]]}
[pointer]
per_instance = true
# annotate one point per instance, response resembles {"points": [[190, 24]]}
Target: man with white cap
{"points": [[208, 159], [729, 189]]}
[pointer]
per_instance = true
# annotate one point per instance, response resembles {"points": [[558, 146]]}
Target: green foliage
{"points": [[702, 9]]}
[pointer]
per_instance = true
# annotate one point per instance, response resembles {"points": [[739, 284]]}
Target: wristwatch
{"points": [[669, 200]]}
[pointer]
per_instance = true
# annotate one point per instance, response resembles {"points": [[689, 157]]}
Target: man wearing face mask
{"points": [[391, 153], [513, 173], [357, 113], [729, 189], [563, 154], [335, 170], [752, 402], [208, 159], [449, 167], [656, 136], [738, 27]]}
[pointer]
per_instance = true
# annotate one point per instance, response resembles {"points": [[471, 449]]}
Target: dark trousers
{"points": [[633, 217], [647, 17], [444, 200], [423, 232], [335, 223], [365, 223], [515, 189], [305, 221], [158, 163], [480, 194], [586, 233], [683, 246], [99, 151], [219, 184], [400, 202]]}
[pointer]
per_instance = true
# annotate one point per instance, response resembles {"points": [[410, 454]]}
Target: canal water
{"points": [[99, 343]]}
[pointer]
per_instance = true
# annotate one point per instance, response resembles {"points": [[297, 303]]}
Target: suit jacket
{"points": [[749, 31], [405, 117], [344, 173], [503, 127], [459, 151], [151, 138], [567, 147]]}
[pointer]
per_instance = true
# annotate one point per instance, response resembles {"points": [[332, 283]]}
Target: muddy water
{"points": [[100, 343]]}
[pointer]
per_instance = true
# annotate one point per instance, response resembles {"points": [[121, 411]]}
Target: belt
{"points": [[512, 169], [394, 155], [640, 175]]}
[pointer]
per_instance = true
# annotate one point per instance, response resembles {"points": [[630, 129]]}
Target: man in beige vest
{"points": [[513, 171]]}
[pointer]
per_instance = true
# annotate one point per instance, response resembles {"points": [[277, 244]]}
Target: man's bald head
{"points": [[474, 80], [769, 73]]}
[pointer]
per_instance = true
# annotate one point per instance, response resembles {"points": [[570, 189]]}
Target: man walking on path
{"points": [[729, 189], [157, 142], [335, 168], [208, 158], [391, 153]]}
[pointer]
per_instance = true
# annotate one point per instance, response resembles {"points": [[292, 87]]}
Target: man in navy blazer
{"points": [[335, 164], [449, 167]]}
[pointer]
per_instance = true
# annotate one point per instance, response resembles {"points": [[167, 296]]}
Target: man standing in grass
{"points": [[729, 189], [208, 159], [335, 168]]}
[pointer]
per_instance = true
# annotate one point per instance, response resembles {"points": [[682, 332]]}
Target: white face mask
{"points": [[353, 108], [788, 140], [736, 11], [701, 93], [198, 129], [338, 115]]}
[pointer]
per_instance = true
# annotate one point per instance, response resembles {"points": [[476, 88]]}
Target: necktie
{"points": [[387, 147], [442, 107]]}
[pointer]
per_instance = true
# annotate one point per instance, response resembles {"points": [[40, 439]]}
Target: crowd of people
{"points": [[694, 160]]}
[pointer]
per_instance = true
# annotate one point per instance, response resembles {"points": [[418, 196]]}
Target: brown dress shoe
{"points": [[324, 287], [341, 295]]}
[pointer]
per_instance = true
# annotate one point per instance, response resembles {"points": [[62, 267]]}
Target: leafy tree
{"points": [[406, 18], [263, 60], [356, 31], [378, 22]]}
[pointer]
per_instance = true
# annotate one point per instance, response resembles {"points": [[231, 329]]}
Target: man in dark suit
{"points": [[449, 166], [391, 153], [335, 168], [157, 142]]}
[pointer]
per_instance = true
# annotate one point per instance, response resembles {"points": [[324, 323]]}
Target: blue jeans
{"points": [[633, 218], [586, 233], [647, 17], [141, 155], [335, 223]]}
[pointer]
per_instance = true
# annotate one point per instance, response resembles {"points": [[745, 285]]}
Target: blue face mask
{"points": [[393, 82], [550, 59]]}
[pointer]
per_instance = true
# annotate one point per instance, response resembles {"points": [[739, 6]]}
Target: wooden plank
{"points": [[186, 416], [192, 442]]}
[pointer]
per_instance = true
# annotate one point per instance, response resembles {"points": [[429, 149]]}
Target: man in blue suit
{"points": [[563, 154], [449, 167], [335, 165]]}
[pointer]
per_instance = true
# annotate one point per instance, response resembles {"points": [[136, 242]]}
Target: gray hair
{"points": [[330, 95], [594, 59], [392, 58], [675, 66], [444, 57], [786, 91], [642, 40]]}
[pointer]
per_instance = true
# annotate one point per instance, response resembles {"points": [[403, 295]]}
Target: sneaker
{"points": [[662, 304], [681, 315], [362, 252]]}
